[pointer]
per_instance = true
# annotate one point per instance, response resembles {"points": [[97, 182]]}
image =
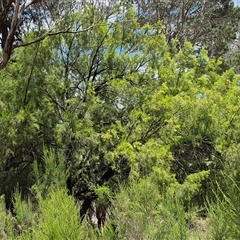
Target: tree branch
{"points": [[4, 11], [10, 37], [30, 2], [51, 33]]}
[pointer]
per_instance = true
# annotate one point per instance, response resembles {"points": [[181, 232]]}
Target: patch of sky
{"points": [[238, 83], [236, 3], [200, 95]]}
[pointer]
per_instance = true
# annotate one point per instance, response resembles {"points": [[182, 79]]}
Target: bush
{"points": [[225, 213], [58, 218], [141, 212]]}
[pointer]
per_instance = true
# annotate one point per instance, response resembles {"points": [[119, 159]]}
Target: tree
{"points": [[212, 24], [119, 105], [20, 18], [10, 20]]}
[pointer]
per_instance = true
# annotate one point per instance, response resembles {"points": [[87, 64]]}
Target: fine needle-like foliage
{"points": [[117, 132]]}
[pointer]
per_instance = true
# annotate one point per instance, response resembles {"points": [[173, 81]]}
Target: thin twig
{"points": [[50, 33]]}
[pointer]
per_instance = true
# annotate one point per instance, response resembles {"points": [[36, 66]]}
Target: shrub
{"points": [[141, 212], [58, 218]]}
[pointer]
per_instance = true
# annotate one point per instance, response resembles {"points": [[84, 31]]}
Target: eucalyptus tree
{"points": [[212, 24], [39, 18]]}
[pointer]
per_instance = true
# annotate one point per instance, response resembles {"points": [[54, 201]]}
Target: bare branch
{"points": [[51, 33]]}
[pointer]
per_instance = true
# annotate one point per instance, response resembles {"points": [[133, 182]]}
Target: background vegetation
{"points": [[119, 121]]}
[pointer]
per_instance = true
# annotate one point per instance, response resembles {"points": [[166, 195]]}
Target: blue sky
{"points": [[236, 2]]}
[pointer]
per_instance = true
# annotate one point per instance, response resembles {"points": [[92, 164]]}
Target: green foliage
{"points": [[110, 107], [104, 194], [24, 211], [58, 219], [142, 212], [218, 229], [52, 174], [191, 185], [5, 227], [224, 214]]}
